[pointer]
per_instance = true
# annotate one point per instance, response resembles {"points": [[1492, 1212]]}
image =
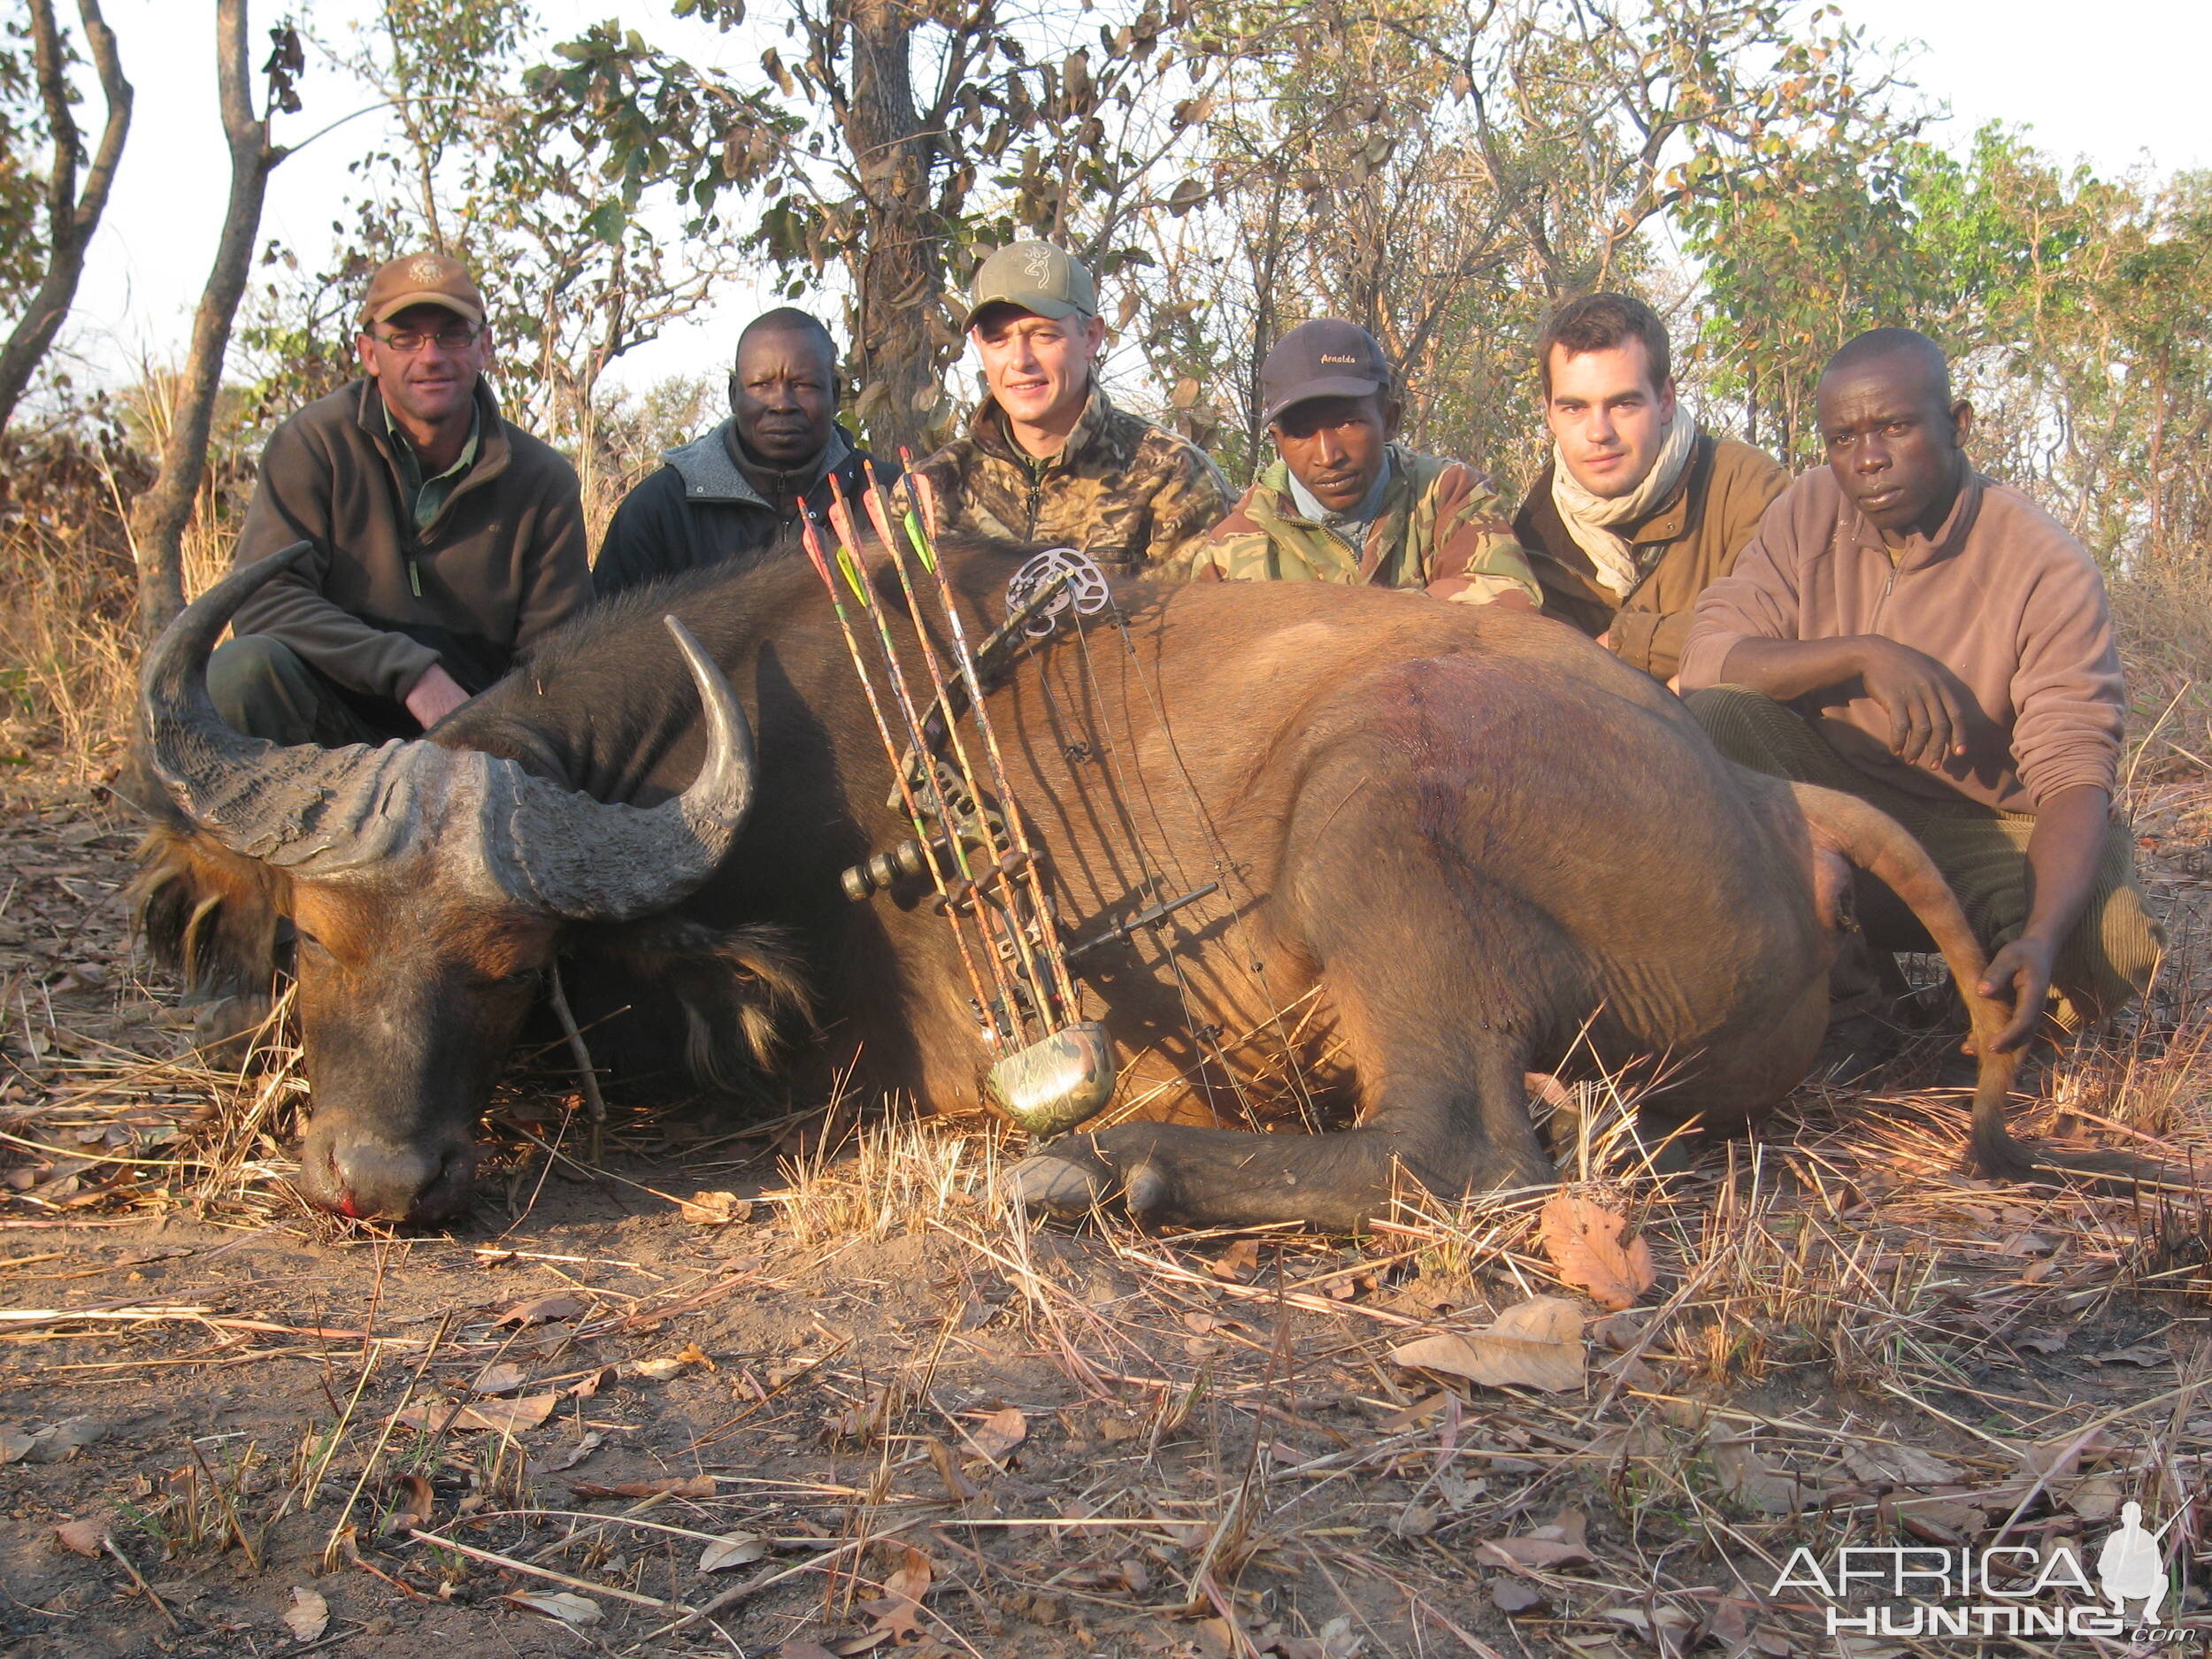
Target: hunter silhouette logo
{"points": [[2132, 1567]]}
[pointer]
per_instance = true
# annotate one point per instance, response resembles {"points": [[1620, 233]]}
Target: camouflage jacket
{"points": [[1131, 495], [1440, 528]]}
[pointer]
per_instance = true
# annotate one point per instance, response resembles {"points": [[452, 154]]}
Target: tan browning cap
{"points": [[1037, 277], [423, 278]]}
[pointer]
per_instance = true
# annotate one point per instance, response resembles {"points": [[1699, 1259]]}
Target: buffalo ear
{"points": [[207, 914], [740, 990]]}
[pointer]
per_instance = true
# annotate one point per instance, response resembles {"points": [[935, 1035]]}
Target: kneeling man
{"points": [[446, 541], [1912, 632], [1344, 501]]}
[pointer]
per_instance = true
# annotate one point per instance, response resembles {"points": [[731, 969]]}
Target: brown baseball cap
{"points": [[422, 279], [1327, 357], [1035, 276]]}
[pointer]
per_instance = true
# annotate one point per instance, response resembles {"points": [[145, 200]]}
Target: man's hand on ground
{"points": [[435, 695], [2020, 973], [1930, 710]]}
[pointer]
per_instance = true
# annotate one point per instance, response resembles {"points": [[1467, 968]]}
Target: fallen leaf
{"points": [[714, 1209], [676, 1486], [566, 1605], [569, 1457], [541, 1310], [308, 1616], [85, 1537], [2096, 1499], [1542, 1554], [731, 1549], [673, 1364], [1535, 1344], [803, 1650], [502, 1378], [999, 1433], [1747, 1478], [592, 1382], [1510, 1596], [898, 1612], [1416, 1520], [2142, 1354], [1238, 1262], [1900, 1466], [1619, 1330], [504, 1416], [416, 1501], [2060, 1458], [958, 1487], [56, 1443], [2041, 1342], [1590, 1246]]}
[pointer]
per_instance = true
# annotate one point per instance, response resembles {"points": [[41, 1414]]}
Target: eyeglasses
{"points": [[407, 341]]}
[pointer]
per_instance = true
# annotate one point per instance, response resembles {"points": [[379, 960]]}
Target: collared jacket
{"points": [[1689, 542], [1131, 495], [701, 508], [2002, 595], [377, 603], [1441, 527]]}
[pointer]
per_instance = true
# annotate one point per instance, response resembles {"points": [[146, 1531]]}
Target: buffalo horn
{"points": [[516, 837], [590, 861]]}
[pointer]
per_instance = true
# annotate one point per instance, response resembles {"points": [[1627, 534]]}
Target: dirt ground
{"points": [[727, 1390]]}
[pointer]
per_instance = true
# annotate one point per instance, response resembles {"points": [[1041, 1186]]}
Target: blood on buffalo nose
{"points": [[367, 1177]]}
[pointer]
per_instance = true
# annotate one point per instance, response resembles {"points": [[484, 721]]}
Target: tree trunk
{"points": [[898, 274], [73, 217], [158, 520]]}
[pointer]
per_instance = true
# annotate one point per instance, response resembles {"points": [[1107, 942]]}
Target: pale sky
{"points": [[2118, 85]]}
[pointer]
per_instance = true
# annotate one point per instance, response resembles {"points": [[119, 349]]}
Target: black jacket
{"points": [[701, 508]]}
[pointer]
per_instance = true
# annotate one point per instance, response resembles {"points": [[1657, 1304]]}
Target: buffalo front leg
{"points": [[1178, 1174], [1436, 978]]}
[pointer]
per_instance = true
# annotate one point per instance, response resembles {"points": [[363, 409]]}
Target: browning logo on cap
{"points": [[1034, 276]]}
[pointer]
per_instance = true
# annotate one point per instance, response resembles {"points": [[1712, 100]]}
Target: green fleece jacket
{"points": [[377, 603]]}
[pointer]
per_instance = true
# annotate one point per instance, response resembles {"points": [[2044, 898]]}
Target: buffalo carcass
{"points": [[1451, 846]]}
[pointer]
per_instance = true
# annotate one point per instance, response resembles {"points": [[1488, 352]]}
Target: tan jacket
{"points": [[1687, 544], [2001, 594]]}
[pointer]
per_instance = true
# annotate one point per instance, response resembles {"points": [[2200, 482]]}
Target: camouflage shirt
{"points": [[1131, 495], [1441, 527]]}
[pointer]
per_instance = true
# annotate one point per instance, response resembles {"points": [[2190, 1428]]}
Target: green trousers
{"points": [[2106, 962], [260, 684]]}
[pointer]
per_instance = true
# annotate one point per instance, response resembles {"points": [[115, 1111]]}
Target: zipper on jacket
{"points": [[1888, 588]]}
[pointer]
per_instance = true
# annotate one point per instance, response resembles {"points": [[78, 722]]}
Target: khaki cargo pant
{"points": [[2104, 964]]}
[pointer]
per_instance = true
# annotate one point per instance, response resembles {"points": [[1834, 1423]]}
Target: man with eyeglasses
{"points": [[446, 540]]}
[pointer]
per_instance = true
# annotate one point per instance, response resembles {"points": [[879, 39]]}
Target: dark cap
{"points": [[1327, 357], [422, 279], [1036, 277]]}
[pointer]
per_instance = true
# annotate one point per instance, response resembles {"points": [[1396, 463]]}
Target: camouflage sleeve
{"points": [[1477, 560], [938, 480], [1193, 497]]}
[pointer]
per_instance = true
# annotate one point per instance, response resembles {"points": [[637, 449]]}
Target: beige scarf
{"points": [[1590, 519]]}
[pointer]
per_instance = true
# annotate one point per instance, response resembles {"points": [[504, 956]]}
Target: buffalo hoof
{"points": [[1061, 1183]]}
